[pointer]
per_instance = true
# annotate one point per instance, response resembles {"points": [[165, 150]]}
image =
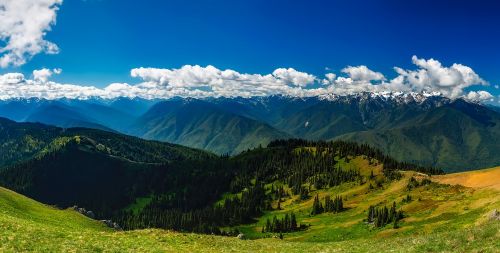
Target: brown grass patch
{"points": [[489, 178]]}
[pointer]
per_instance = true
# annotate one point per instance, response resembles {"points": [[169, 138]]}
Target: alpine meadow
{"points": [[249, 126]]}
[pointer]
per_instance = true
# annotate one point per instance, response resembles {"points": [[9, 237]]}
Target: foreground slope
{"points": [[27, 225]]}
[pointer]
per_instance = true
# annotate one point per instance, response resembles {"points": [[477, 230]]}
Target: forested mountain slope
{"points": [[200, 124], [456, 136]]}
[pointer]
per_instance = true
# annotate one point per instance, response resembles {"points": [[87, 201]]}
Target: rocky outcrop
{"points": [[84, 211], [112, 224], [495, 215], [91, 215]]}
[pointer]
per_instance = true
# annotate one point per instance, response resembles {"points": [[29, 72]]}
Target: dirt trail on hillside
{"points": [[488, 178]]}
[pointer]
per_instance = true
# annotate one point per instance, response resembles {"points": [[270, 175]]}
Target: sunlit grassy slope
{"points": [[479, 179], [434, 208], [441, 217]]}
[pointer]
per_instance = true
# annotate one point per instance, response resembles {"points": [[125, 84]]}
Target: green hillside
{"points": [[26, 225], [103, 175], [431, 207], [23, 141]]}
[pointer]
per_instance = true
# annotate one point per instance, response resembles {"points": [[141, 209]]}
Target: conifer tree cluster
{"points": [[284, 225], [331, 206], [334, 206], [233, 211], [346, 149], [381, 216]]}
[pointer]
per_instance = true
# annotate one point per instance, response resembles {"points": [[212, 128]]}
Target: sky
{"points": [[109, 48]]}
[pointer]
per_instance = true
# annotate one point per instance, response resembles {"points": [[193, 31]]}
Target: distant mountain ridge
{"points": [[418, 127], [200, 124]]}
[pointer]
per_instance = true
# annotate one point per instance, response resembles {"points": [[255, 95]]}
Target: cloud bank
{"points": [[429, 76], [23, 25]]}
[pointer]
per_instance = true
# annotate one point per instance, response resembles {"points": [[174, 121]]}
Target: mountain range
{"points": [[422, 128]]}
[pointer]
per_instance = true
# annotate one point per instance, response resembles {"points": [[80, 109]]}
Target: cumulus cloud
{"points": [[23, 26], [196, 80], [429, 77], [363, 73], [11, 79], [43, 75], [479, 95], [15, 85], [294, 77], [329, 78], [432, 76]]}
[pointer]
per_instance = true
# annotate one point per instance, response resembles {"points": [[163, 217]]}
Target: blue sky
{"points": [[100, 41]]}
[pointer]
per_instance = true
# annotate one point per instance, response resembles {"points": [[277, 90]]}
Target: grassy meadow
{"points": [[442, 216]]}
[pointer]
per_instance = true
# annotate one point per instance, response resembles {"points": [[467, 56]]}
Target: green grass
{"points": [[26, 225], [445, 219]]}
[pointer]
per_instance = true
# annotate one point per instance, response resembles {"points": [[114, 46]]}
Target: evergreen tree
{"points": [[293, 222], [317, 206]]}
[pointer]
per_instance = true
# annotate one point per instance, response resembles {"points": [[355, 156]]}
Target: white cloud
{"points": [[479, 95], [432, 76], [294, 77], [15, 85], [210, 81], [43, 75], [11, 79], [429, 77], [23, 25], [363, 73], [329, 78]]}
